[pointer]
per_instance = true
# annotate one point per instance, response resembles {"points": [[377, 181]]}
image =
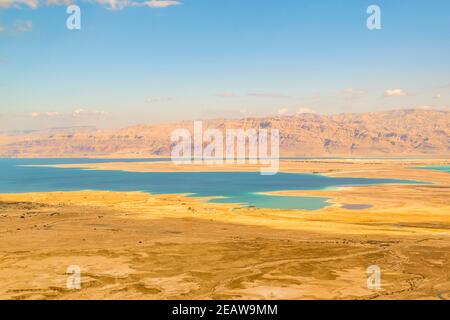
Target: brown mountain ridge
{"points": [[390, 133]]}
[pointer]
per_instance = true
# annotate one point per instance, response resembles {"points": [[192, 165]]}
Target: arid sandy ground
{"points": [[140, 246]]}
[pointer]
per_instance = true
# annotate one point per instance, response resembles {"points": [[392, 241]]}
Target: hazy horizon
{"points": [[210, 119]]}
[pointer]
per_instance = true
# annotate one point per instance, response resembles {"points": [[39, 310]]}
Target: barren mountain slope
{"points": [[391, 133]]}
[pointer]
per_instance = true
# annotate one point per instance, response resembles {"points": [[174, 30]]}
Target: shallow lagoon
{"points": [[244, 188], [439, 168]]}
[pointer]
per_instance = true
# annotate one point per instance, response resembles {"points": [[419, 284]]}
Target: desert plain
{"points": [[134, 245]]}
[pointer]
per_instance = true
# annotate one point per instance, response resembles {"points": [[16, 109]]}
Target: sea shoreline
{"points": [[143, 246]]}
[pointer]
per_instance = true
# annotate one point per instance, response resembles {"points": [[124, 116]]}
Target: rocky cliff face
{"points": [[391, 133]]}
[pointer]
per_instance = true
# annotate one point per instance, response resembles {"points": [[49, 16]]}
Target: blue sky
{"points": [[167, 61]]}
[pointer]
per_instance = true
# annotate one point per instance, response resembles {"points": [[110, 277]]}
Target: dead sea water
{"points": [[243, 188]]}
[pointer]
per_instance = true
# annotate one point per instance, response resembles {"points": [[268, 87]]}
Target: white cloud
{"points": [[267, 95], [111, 4], [303, 110], [58, 2], [395, 93], [158, 99], [21, 26], [33, 4], [78, 113], [157, 3], [18, 27], [48, 114], [244, 111], [437, 96], [283, 111], [114, 4], [351, 93], [425, 107], [225, 94]]}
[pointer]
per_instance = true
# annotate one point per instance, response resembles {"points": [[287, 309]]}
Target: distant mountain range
{"points": [[390, 133]]}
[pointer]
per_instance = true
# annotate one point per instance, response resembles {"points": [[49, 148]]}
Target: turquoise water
{"points": [[275, 202], [439, 168], [244, 188]]}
